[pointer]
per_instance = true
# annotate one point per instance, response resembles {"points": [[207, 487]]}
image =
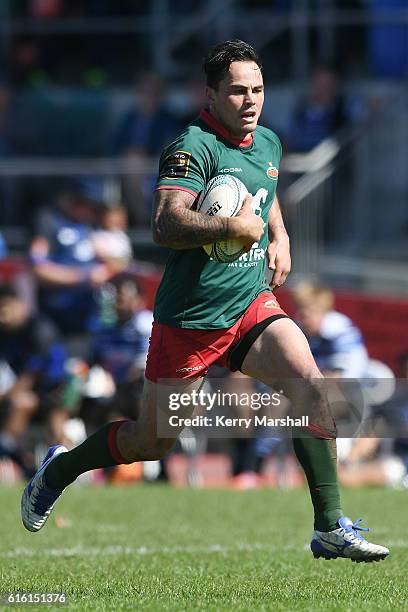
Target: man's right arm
{"points": [[176, 226], [49, 273]]}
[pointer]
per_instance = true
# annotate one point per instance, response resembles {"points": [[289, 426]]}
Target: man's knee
{"points": [[157, 449], [309, 396], [141, 444]]}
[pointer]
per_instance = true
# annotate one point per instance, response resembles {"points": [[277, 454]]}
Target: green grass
{"points": [[157, 548]]}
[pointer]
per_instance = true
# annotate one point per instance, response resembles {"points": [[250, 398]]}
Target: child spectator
{"points": [[110, 242]]}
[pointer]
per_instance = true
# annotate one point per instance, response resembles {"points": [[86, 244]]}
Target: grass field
{"points": [[157, 548]]}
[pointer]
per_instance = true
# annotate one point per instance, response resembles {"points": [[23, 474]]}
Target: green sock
{"points": [[97, 451], [318, 461]]}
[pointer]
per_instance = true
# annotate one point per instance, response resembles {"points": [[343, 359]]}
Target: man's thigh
{"points": [[281, 358], [281, 351]]}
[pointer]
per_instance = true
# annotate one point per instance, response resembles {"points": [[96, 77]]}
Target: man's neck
{"points": [[212, 120]]}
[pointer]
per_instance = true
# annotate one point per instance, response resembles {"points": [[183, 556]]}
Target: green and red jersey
{"points": [[197, 292]]}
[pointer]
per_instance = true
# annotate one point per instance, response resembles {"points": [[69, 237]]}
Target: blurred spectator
{"points": [[120, 348], [322, 113], [327, 112], [382, 461], [338, 348], [111, 243], [31, 371], [64, 259], [194, 95], [336, 343], [149, 125], [15, 412], [144, 130], [375, 462]]}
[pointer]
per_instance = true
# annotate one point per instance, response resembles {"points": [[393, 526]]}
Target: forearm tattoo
{"points": [[177, 226]]}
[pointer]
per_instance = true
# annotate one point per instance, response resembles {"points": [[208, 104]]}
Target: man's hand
{"points": [[278, 254], [246, 226], [100, 274]]}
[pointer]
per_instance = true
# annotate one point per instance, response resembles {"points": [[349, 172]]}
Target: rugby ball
{"points": [[223, 197]]}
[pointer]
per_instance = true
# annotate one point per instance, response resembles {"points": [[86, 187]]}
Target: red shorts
{"points": [[180, 353]]}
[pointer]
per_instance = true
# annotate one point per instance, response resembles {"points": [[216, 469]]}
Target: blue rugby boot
{"points": [[346, 542], [38, 500]]}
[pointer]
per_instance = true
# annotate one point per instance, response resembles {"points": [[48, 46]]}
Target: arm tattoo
{"points": [[176, 226]]}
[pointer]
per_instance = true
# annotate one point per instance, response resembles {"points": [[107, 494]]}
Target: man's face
{"points": [[82, 210], [323, 86], [310, 318], [238, 100], [128, 301], [13, 313]]}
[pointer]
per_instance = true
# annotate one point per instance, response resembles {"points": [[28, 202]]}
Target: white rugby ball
{"points": [[223, 197]]}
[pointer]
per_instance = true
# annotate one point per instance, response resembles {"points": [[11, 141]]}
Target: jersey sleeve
{"points": [[185, 165], [276, 146]]}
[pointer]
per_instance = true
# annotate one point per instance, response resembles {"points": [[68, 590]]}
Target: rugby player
{"points": [[212, 313]]}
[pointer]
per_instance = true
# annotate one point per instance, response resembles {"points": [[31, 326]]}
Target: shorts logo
{"points": [[271, 304], [176, 165], [272, 172], [191, 369]]}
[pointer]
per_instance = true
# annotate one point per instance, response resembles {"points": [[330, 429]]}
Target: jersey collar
{"points": [[222, 131]]}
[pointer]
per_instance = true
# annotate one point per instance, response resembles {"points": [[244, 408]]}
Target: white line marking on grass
{"points": [[83, 551], [141, 550]]}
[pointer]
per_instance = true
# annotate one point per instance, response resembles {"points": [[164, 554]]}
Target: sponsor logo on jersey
{"points": [[259, 198], [272, 172], [271, 304], [191, 369], [176, 165], [231, 170], [249, 259]]}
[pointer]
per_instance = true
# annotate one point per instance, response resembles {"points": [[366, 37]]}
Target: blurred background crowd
{"points": [[90, 92]]}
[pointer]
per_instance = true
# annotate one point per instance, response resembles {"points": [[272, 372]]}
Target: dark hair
{"points": [[126, 278], [220, 57]]}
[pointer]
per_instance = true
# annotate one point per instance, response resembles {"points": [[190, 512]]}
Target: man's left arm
{"points": [[278, 249]]}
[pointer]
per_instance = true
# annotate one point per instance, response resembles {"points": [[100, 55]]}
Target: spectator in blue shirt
{"points": [[141, 134], [336, 343], [64, 260], [321, 113], [120, 346]]}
